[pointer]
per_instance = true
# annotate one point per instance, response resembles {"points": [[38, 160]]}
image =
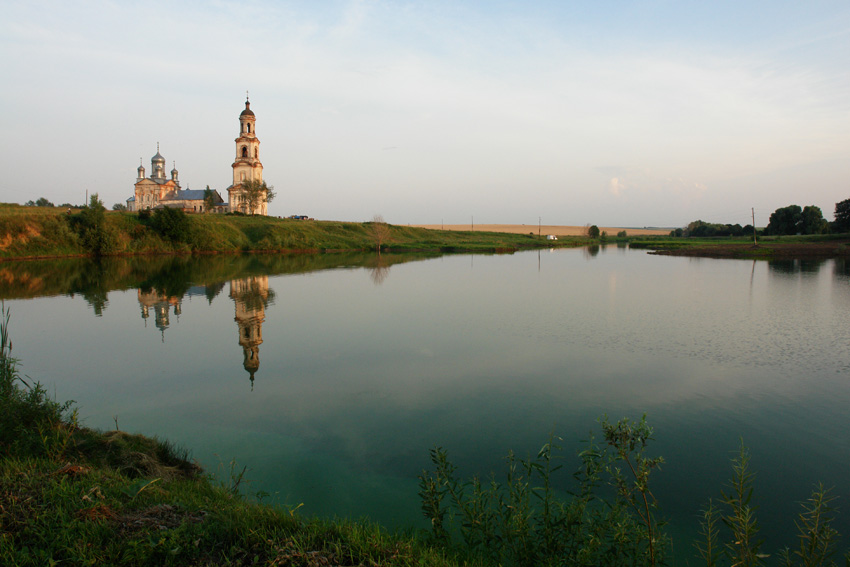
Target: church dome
{"points": [[247, 111], [158, 158]]}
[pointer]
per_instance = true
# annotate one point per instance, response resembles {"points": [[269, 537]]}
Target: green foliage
{"points": [[523, 521], [209, 199], [817, 536], [119, 207], [795, 220], [43, 202], [593, 231], [622, 234], [172, 224], [95, 235], [700, 228], [739, 517], [257, 192], [842, 216], [812, 221]]}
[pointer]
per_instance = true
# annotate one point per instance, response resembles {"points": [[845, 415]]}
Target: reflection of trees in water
{"points": [[211, 291], [91, 283], [592, 250], [378, 274], [796, 265], [379, 269], [174, 276]]}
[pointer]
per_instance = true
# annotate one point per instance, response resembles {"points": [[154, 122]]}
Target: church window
{"points": [[249, 128], [244, 151]]}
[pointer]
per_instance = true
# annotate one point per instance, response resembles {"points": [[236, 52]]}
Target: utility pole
{"points": [[753, 210], [538, 226], [472, 221]]}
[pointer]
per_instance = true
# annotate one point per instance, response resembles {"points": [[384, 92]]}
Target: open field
{"points": [[557, 230]]}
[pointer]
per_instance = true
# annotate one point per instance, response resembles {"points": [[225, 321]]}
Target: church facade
{"points": [[158, 191]]}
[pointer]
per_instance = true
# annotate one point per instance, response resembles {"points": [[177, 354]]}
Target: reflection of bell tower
{"points": [[251, 296]]}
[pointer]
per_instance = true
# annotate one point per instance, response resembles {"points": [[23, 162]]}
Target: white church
{"points": [[159, 191]]}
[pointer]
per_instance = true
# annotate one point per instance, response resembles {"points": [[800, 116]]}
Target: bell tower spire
{"points": [[247, 166]]}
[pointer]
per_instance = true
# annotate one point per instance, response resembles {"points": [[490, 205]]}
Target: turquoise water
{"points": [[364, 365]]}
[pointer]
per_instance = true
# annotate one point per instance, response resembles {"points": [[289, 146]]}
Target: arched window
{"points": [[244, 151], [257, 153], [249, 128]]}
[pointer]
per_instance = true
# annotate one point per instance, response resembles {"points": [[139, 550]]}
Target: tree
{"points": [[119, 207], [593, 231], [379, 231], [255, 193], [209, 199], [43, 202], [812, 221], [171, 223], [91, 226], [785, 220], [842, 216]]}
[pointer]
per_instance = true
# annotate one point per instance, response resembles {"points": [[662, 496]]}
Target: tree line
{"points": [[789, 220]]}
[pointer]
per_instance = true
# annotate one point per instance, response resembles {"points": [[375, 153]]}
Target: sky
{"points": [[614, 113]]}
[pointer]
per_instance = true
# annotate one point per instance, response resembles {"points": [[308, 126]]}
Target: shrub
{"points": [[95, 235], [172, 224], [523, 522]]}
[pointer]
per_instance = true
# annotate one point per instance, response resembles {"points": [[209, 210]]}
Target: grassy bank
{"points": [[32, 232], [767, 247]]}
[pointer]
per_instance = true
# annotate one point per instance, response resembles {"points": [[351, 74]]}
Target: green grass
{"points": [[31, 232]]}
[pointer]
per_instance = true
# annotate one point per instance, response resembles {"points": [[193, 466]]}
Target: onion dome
{"points": [[247, 111]]}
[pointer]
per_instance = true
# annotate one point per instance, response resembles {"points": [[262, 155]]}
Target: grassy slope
{"points": [[30, 232]]}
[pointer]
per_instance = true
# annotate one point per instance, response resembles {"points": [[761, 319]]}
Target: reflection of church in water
{"points": [[251, 296]]}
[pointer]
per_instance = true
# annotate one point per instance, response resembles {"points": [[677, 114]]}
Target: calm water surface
{"points": [[331, 377]]}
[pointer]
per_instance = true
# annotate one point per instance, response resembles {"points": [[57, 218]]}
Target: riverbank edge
{"points": [[31, 233], [774, 248]]}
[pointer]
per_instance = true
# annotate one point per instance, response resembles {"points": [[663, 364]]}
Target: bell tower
{"points": [[247, 166]]}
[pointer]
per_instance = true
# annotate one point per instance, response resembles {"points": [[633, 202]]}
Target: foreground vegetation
{"points": [[70, 495], [31, 232]]}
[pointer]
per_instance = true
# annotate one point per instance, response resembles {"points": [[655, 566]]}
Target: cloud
{"points": [[644, 181]]}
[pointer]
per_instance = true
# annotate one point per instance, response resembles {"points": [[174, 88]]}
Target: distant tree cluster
{"points": [[842, 216], [41, 202], [702, 228], [795, 220], [789, 220]]}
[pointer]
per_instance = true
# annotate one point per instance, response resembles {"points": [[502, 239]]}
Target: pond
{"points": [[330, 377]]}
